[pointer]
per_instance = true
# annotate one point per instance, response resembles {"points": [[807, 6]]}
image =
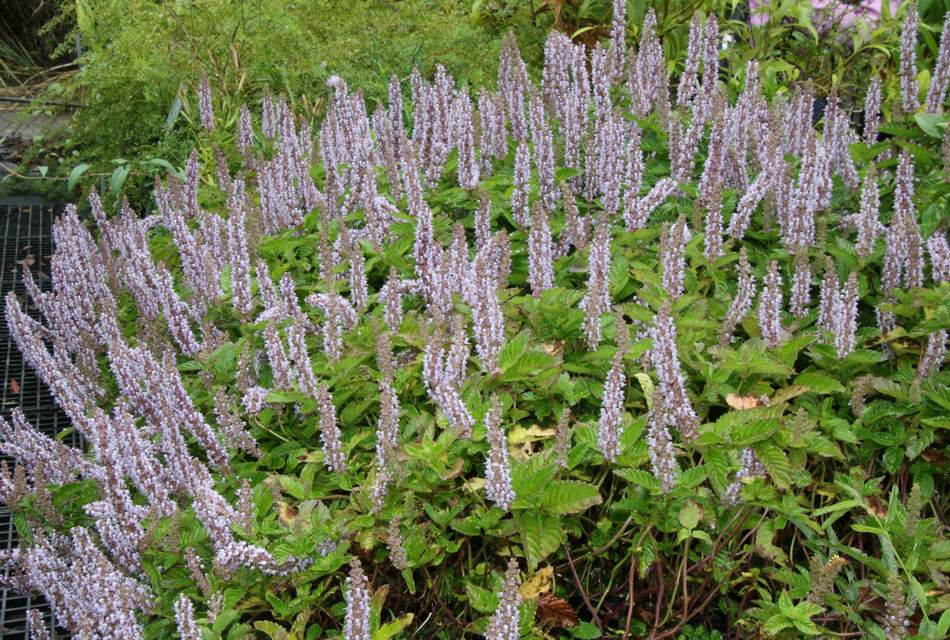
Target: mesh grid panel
{"points": [[26, 243]]}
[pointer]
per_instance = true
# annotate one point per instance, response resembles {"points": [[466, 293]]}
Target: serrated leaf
{"points": [[755, 431], [776, 463], [512, 351], [481, 599], [940, 396], [717, 465], [692, 477], [568, 496], [530, 478], [540, 534], [273, 630], [640, 477], [294, 487], [819, 382]]}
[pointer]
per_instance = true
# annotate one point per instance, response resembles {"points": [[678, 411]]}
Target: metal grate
{"points": [[26, 242]]}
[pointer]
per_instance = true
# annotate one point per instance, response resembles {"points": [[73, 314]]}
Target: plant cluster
{"points": [[617, 355], [139, 63]]}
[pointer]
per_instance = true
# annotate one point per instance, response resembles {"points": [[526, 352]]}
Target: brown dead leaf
{"points": [[556, 611], [555, 348], [28, 261], [455, 470], [876, 506], [14, 387], [743, 402], [934, 457], [537, 584], [286, 513]]}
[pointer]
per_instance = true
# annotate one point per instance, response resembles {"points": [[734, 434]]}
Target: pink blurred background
{"points": [[829, 13]]}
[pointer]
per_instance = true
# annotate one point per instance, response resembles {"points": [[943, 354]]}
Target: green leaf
{"points": [[283, 396], [646, 383], [807, 626], [222, 360], [225, 619], [586, 631], [943, 625], [717, 465], [273, 630], [394, 628], [755, 431], [511, 352], [75, 174], [819, 382], [530, 480], [640, 477], [294, 487], [692, 477], [568, 496], [763, 542], [931, 124], [776, 624], [844, 505], [776, 463], [541, 535], [690, 515], [482, 600], [117, 181], [165, 164]]}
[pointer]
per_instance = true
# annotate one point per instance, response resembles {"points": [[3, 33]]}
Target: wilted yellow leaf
{"points": [[474, 484], [520, 435], [537, 584], [646, 383], [522, 441]]}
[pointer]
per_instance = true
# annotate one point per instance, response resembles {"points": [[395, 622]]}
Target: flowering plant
{"points": [[592, 358]]}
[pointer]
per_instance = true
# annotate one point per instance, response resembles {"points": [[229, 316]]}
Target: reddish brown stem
{"points": [[583, 592]]}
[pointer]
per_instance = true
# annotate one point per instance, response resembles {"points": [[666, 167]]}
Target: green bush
{"points": [[141, 54]]}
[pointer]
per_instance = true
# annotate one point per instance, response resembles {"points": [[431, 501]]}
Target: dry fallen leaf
{"points": [[537, 584], [743, 402], [556, 611]]}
